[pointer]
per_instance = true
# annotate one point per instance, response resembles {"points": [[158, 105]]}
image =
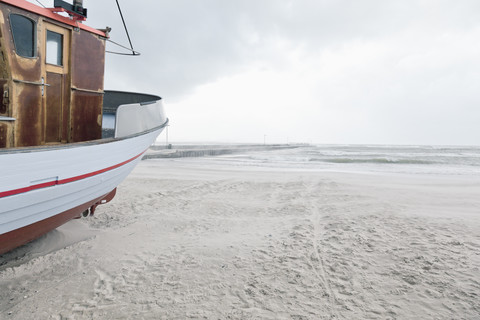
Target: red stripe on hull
{"points": [[64, 181], [21, 236]]}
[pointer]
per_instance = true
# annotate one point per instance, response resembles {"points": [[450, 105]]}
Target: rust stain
{"points": [[28, 69], [61, 115], [86, 107], [3, 135], [21, 68], [5, 98], [53, 109], [88, 61], [66, 110], [29, 115]]}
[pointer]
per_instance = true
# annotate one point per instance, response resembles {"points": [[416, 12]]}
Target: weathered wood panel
{"points": [[3, 134], [54, 105], [22, 68], [66, 121], [28, 111], [65, 115], [4, 98], [88, 61], [25, 100], [86, 116]]}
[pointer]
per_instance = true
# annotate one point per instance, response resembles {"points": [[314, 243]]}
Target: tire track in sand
{"points": [[311, 199]]}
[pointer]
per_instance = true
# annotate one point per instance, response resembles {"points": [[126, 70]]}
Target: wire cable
{"points": [[40, 3], [134, 53]]}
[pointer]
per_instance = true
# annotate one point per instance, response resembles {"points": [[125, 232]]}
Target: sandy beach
{"points": [[195, 239]]}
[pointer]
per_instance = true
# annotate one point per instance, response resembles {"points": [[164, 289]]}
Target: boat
{"points": [[65, 142]]}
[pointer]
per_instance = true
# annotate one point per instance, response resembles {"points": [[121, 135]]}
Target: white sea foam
{"points": [[456, 160]]}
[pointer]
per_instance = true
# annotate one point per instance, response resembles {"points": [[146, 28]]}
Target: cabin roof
{"points": [[51, 15]]}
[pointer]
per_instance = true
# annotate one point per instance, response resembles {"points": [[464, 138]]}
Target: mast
{"points": [[78, 6]]}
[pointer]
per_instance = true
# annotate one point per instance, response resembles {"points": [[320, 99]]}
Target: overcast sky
{"points": [[321, 71]]}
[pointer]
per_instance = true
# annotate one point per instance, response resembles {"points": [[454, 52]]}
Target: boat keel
{"points": [[21, 236], [104, 200]]}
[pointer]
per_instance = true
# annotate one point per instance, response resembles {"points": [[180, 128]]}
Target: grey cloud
{"points": [[425, 64]]}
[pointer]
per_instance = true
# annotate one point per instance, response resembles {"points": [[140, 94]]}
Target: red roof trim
{"points": [[64, 181], [49, 14]]}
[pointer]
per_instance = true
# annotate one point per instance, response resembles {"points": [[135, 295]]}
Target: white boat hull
{"points": [[44, 187]]}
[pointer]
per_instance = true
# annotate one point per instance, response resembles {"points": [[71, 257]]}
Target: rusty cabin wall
{"points": [[83, 86], [6, 127], [19, 100], [88, 65]]}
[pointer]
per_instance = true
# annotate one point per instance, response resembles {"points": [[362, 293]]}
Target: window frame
{"points": [[60, 48], [34, 36]]}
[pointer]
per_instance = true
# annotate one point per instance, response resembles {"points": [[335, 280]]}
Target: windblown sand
{"points": [[193, 239]]}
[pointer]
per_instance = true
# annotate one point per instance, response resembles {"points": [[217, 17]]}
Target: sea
{"points": [[449, 160]]}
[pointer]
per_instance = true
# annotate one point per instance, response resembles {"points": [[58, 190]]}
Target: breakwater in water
{"points": [[182, 151]]}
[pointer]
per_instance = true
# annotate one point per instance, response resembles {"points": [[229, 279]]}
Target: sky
{"points": [[313, 71]]}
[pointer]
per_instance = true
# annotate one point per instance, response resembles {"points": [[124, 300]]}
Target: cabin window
{"points": [[54, 48], [23, 30]]}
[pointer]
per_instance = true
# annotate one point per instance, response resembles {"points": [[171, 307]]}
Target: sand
{"points": [[194, 239]]}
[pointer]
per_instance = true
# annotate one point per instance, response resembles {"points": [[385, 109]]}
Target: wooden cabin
{"points": [[51, 75]]}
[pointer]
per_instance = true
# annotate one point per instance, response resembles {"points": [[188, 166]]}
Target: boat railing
{"points": [[127, 113]]}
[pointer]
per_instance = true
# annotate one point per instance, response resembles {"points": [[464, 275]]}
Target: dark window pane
{"points": [[23, 30], [54, 48]]}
